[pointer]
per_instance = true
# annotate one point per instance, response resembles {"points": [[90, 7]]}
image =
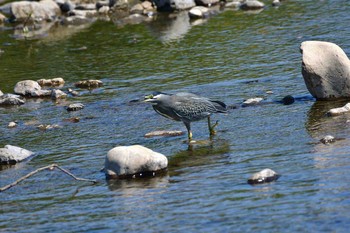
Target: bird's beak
{"points": [[148, 98]]}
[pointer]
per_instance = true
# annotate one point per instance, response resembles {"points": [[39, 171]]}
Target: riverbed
{"points": [[231, 56]]}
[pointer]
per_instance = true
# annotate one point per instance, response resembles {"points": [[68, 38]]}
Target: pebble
{"points": [[328, 139], [12, 124], [75, 107]]}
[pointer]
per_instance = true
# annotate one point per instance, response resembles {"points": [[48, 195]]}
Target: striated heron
{"points": [[186, 107]]}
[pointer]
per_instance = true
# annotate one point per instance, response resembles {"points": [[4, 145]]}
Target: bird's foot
{"points": [[212, 128]]}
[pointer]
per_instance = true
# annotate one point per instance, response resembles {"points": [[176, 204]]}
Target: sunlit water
{"points": [[231, 57]]}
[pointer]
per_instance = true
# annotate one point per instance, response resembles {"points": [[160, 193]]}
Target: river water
{"points": [[231, 56]]}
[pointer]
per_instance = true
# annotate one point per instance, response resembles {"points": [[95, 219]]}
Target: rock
{"points": [[1, 93], [89, 84], [252, 101], [84, 13], [41, 93], [171, 133], [252, 5], [65, 6], [85, 6], [10, 99], [46, 127], [58, 94], [72, 120], [51, 82], [287, 100], [75, 107], [13, 154], [133, 161], [198, 12], [276, 3], [170, 5], [12, 124], [27, 87], [43, 10], [266, 175], [339, 111], [137, 9], [233, 4], [328, 139], [76, 20], [104, 10], [326, 70], [207, 3], [73, 92]]}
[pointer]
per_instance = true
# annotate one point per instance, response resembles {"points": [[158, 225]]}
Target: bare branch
{"points": [[50, 167]]}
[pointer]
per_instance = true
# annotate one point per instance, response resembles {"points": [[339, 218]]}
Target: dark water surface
{"points": [[232, 56]]}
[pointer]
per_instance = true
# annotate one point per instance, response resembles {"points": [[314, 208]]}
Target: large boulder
{"points": [[13, 154], [43, 10], [326, 70], [10, 99], [132, 161]]}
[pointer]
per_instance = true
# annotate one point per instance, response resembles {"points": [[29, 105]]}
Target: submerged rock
{"points": [[13, 154], [89, 84], [10, 99], [328, 139], [287, 100], [266, 175], [164, 133], [133, 161], [339, 111], [326, 70]]}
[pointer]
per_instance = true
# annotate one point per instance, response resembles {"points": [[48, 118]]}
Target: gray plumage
{"points": [[185, 107]]}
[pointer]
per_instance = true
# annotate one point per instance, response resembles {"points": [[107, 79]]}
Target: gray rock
{"points": [[252, 5], [328, 139], [27, 87], [43, 10], [10, 99], [164, 133], [75, 107], [58, 94], [13, 154], [133, 161], [339, 111], [266, 175], [252, 101], [77, 20], [326, 70], [198, 12], [167, 5]]}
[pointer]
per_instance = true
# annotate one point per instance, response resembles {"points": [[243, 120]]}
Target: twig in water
{"points": [[50, 167]]}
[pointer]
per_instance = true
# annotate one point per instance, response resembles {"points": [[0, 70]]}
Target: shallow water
{"points": [[232, 56]]}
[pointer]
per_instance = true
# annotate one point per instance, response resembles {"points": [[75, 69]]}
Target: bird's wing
{"points": [[193, 108]]}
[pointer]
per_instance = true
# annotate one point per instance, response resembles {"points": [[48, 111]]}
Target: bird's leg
{"points": [[189, 132], [212, 127]]}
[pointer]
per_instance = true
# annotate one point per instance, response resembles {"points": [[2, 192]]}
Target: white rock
{"points": [[43, 10], [328, 139], [252, 5], [326, 70], [13, 154], [12, 124], [26, 87], [252, 101], [198, 12], [10, 99], [1, 93], [339, 111], [266, 175], [124, 161], [58, 94]]}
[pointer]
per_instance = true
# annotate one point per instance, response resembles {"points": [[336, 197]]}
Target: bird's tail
{"points": [[220, 106]]}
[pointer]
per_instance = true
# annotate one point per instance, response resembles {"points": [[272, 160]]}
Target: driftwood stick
{"points": [[50, 167]]}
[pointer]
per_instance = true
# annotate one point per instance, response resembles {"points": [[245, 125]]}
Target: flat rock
{"points": [[11, 99], [326, 70], [89, 84], [51, 82], [252, 101], [13, 154], [339, 111], [266, 175], [164, 133], [75, 107], [252, 5], [133, 161]]}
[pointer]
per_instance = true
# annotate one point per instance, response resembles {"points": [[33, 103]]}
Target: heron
{"points": [[186, 107]]}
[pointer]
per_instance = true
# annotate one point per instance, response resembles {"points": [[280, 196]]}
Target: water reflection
{"points": [[319, 125], [130, 187]]}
